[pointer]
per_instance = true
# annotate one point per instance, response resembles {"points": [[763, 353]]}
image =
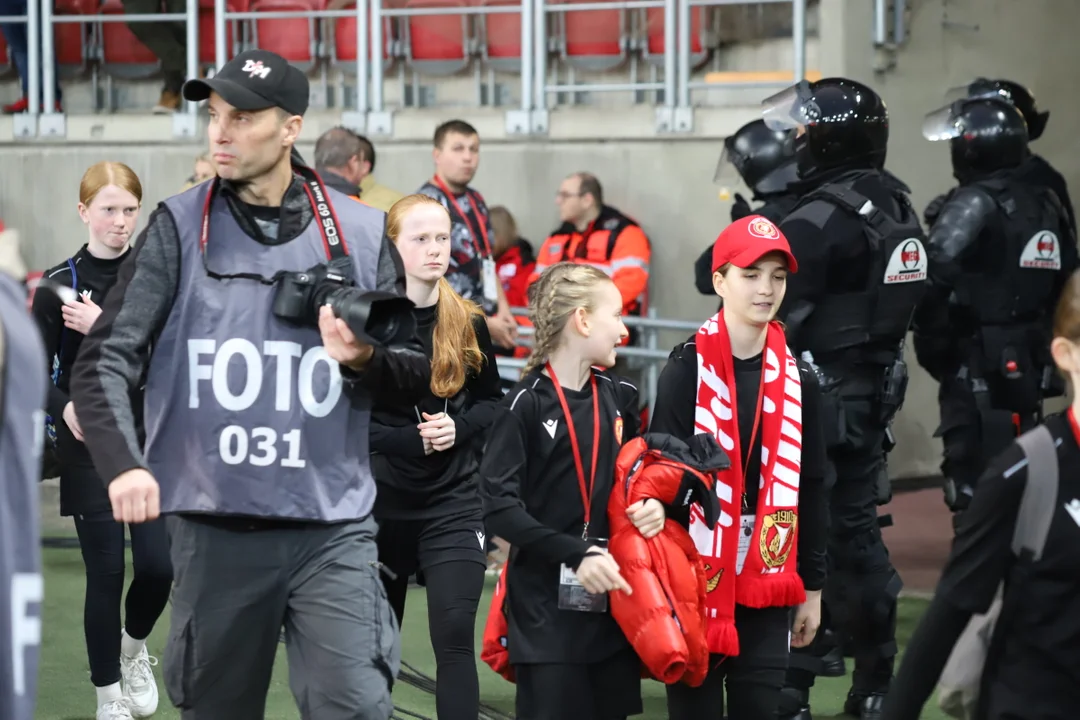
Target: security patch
{"points": [[1042, 252], [907, 264]]}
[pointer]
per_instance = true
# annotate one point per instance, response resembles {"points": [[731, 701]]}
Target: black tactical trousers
{"points": [[863, 586]]}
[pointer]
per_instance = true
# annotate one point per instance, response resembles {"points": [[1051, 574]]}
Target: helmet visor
{"points": [[788, 108], [727, 176], [980, 88], [942, 124]]}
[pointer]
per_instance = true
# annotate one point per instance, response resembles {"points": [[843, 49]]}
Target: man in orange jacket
{"points": [[596, 234]]}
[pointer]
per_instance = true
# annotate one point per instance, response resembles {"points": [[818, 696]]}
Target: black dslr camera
{"points": [[377, 318]]}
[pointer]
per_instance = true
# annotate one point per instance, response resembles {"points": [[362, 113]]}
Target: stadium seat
{"points": [[342, 35], [285, 36], [120, 52], [500, 37], [207, 39], [74, 42], [7, 67], [437, 44], [654, 37], [594, 40]]}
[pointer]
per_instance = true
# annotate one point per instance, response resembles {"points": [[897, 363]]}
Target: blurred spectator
{"points": [[18, 42], [514, 257], [168, 41], [472, 273], [596, 234], [203, 171], [346, 161]]}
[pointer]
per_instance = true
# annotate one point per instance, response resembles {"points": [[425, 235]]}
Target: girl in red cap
{"points": [[737, 379]]}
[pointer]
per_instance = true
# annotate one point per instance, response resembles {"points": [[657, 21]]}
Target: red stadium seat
{"points": [[207, 39], [343, 37], [654, 36], [500, 37], [594, 40], [122, 55], [6, 66], [437, 44], [74, 42], [286, 37]]}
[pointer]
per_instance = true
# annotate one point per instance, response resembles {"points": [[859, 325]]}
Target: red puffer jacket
{"points": [[494, 650], [664, 618]]}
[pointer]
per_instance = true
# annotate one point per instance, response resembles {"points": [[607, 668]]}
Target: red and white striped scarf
{"points": [[768, 577]]}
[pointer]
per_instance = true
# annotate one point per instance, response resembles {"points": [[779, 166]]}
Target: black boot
{"points": [[794, 704], [865, 706]]}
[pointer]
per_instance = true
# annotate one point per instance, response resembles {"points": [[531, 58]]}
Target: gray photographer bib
{"points": [[245, 414]]}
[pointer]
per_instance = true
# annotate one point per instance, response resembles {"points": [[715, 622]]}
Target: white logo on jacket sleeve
{"points": [[907, 264], [1042, 252]]}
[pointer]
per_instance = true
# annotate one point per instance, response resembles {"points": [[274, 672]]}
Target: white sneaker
{"points": [[140, 687], [114, 710]]}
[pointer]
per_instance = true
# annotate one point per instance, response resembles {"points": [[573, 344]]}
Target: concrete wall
{"points": [[664, 181]]}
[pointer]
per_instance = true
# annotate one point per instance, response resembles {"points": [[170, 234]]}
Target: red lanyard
{"points": [[753, 432], [477, 234], [1075, 425], [586, 491]]}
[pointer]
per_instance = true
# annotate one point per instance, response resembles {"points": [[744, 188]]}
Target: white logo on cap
{"points": [[762, 228], [253, 68]]}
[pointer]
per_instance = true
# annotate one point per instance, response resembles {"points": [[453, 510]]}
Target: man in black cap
{"points": [[256, 422], [22, 430]]}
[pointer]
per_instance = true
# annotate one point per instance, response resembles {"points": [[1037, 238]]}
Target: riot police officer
{"points": [[764, 160], [999, 254], [862, 272], [1035, 169]]}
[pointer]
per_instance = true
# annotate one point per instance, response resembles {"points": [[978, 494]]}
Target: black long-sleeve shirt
{"points": [[116, 354], [80, 491], [532, 499], [676, 397], [414, 485], [1037, 675]]}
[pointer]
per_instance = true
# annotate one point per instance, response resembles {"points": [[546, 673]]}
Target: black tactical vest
{"points": [[880, 313], [1010, 279]]}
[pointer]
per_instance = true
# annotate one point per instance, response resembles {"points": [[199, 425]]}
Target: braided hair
{"points": [[553, 298]]}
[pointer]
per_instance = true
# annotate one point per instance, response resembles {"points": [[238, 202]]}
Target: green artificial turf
{"points": [[65, 693]]}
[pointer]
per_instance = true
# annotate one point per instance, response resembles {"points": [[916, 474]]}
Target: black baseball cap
{"points": [[255, 80]]}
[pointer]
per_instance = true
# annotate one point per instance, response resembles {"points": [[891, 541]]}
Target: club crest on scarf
{"points": [[768, 577], [777, 537]]}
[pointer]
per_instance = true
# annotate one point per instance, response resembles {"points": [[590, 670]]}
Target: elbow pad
{"points": [[962, 220]]}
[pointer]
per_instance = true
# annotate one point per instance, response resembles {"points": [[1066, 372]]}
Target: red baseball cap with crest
{"points": [[745, 241]]}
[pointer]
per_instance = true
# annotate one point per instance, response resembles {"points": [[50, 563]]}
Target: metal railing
{"points": [[52, 122], [647, 355], [798, 39], [368, 111]]}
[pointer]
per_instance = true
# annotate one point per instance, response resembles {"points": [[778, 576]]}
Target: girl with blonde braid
{"points": [[545, 479]]}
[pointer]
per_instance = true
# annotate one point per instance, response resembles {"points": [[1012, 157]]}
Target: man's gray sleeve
{"points": [[390, 275], [114, 356], [23, 384]]}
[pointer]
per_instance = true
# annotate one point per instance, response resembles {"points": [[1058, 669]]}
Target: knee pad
{"points": [[877, 608]]}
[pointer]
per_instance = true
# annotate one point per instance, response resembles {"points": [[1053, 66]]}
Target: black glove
{"points": [[930, 215], [740, 208], [957, 497]]}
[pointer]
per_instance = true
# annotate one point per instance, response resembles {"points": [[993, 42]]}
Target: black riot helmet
{"points": [[763, 158], [846, 124], [1011, 92], [984, 134]]}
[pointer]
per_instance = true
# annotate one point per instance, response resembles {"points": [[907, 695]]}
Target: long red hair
{"points": [[455, 349]]}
